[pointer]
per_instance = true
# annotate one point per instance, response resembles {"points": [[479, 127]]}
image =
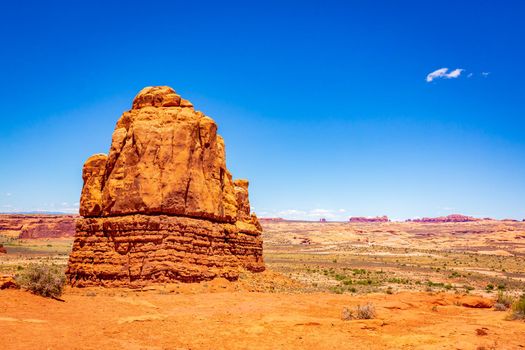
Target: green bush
{"points": [[45, 280]]}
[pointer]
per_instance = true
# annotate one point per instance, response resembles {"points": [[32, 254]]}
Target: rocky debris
{"points": [[2, 249], [449, 218], [8, 282], [29, 226], [362, 219], [162, 206]]}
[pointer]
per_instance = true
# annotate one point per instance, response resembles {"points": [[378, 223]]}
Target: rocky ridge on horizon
{"points": [[448, 218], [362, 219]]}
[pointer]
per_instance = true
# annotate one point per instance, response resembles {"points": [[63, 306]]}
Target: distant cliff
{"points": [[449, 218], [37, 225]]}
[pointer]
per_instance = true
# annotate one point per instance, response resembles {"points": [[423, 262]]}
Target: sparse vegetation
{"points": [[361, 312], [365, 312], [504, 300], [518, 309], [42, 279]]}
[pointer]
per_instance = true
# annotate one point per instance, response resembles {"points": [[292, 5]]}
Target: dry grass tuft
{"points": [[361, 312]]}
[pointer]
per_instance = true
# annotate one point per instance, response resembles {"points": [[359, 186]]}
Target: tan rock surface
{"points": [[181, 216]]}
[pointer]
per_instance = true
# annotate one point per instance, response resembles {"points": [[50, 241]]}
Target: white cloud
{"points": [[291, 212], [485, 74], [470, 75], [442, 74]]}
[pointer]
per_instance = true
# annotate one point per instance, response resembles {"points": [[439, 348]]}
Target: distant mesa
{"points": [[449, 218], [362, 219], [322, 220], [31, 226], [162, 206]]}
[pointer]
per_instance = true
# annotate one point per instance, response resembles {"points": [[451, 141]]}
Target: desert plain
{"points": [[432, 285]]}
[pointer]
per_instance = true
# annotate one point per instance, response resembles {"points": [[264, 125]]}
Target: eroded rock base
{"points": [[135, 250]]}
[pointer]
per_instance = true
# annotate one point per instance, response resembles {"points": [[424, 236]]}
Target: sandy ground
{"points": [[217, 316], [417, 276]]}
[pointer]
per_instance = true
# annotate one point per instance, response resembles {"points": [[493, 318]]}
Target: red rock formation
{"points": [[2, 249], [162, 205], [322, 220], [449, 218], [29, 226], [362, 219]]}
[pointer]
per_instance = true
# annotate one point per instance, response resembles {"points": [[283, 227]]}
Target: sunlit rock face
{"points": [[162, 205]]}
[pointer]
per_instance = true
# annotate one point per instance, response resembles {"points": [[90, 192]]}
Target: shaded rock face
{"points": [[162, 205]]}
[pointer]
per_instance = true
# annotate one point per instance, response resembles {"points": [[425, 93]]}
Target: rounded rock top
{"points": [[159, 96]]}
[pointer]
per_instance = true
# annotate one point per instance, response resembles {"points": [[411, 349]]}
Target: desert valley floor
{"points": [[432, 285]]}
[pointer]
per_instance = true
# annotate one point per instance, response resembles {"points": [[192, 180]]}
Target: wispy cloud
{"points": [[485, 74], [442, 74]]}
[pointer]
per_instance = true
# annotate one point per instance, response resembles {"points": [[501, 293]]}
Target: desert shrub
{"points": [[346, 314], [504, 299], [518, 309], [361, 312], [42, 279], [365, 312]]}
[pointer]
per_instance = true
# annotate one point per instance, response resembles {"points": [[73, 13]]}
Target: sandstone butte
{"points": [[162, 206]]}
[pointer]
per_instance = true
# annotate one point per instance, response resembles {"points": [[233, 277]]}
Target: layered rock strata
{"points": [[28, 226], [162, 206]]}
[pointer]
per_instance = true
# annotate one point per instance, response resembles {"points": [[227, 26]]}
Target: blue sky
{"points": [[325, 106]]}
